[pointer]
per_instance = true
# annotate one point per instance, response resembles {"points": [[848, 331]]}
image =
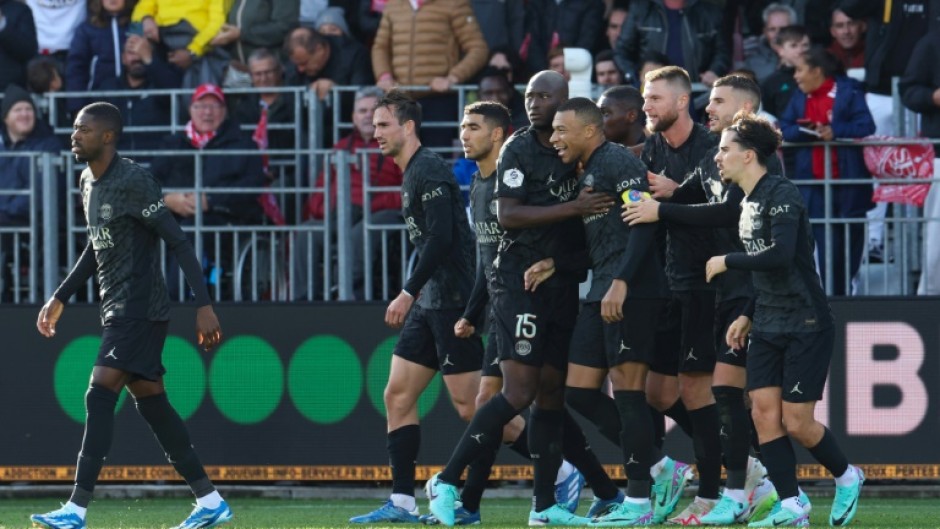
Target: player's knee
{"points": [[765, 416], [800, 428], [520, 397], [465, 410], [396, 401]]}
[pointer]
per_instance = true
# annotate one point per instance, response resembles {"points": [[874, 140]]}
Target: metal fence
{"points": [[338, 257]]}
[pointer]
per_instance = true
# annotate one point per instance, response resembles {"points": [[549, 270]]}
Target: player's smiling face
{"points": [[722, 106], [568, 136], [87, 140], [476, 137]]}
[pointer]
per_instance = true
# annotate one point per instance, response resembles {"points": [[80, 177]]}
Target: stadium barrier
{"points": [[294, 393]]}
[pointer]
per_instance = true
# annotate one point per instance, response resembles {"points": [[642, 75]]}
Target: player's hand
{"points": [[151, 31], [716, 265], [661, 186], [183, 204], [591, 203], [208, 330], [612, 304], [736, 337], [642, 212], [539, 273], [463, 328], [49, 314], [398, 309]]}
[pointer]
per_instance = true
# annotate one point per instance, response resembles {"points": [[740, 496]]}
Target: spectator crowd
{"points": [[825, 69]]}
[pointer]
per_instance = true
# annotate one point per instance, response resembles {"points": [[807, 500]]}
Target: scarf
{"points": [[198, 139]]}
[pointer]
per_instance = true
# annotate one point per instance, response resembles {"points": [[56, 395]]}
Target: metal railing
{"points": [[322, 260]]}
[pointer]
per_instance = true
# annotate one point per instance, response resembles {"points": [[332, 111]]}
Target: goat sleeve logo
{"points": [[513, 178]]}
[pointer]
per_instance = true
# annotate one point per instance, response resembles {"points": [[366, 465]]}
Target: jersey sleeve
{"points": [[435, 196], [145, 200], [510, 175]]}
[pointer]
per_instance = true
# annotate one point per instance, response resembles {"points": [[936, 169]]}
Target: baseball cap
{"points": [[208, 89]]}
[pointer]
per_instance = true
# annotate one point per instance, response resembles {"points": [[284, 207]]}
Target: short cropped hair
{"points": [[405, 108], [108, 114], [791, 34], [674, 75], [756, 134], [495, 114], [585, 110], [742, 84], [625, 94]]}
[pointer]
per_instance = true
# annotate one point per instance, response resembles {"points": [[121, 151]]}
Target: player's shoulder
{"points": [[429, 164], [520, 140], [613, 156], [779, 188]]}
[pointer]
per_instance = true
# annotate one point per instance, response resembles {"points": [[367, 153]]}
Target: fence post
{"points": [[343, 223], [50, 220], [827, 227]]}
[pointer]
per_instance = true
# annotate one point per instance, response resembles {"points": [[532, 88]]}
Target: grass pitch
{"points": [[322, 514]]}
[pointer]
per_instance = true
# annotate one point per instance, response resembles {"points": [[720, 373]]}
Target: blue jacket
{"points": [[850, 119], [94, 57], [14, 173]]}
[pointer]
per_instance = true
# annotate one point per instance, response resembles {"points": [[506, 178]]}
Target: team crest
{"points": [[523, 347], [513, 178], [589, 180], [105, 212], [493, 205]]}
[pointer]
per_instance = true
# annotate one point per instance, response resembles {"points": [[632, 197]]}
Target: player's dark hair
{"points": [[494, 114], [756, 134], [585, 110], [792, 33], [818, 57], [674, 75], [108, 114], [625, 94], [606, 55], [742, 84], [402, 106]]}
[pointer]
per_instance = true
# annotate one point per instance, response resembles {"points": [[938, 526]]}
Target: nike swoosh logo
{"points": [[662, 502], [841, 520], [544, 520]]}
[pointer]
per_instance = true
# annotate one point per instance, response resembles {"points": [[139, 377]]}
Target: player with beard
{"points": [[126, 219], [431, 301], [747, 494], [483, 131], [615, 329], [685, 345], [535, 192], [791, 340]]}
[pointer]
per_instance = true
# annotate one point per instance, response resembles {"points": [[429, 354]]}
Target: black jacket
{"points": [[147, 111], [645, 29], [237, 170], [17, 42], [577, 22], [919, 83], [881, 38]]}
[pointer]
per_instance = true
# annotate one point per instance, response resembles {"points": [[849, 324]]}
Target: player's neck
{"points": [[679, 132], [636, 136], [590, 150], [487, 165], [752, 174], [544, 136], [99, 166], [408, 150]]}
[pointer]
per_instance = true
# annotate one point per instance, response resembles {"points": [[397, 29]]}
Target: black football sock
{"points": [[734, 433], [680, 416], [636, 441], [482, 435], [578, 452], [99, 429], [478, 474], [659, 427], [707, 450], [546, 431], [830, 454], [521, 444], [173, 437], [403, 445], [598, 408], [781, 466]]}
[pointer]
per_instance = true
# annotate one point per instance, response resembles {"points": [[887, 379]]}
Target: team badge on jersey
{"points": [[523, 347], [589, 180], [513, 178], [105, 212], [493, 206]]}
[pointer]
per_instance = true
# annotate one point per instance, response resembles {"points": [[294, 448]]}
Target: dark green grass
{"points": [[317, 514]]}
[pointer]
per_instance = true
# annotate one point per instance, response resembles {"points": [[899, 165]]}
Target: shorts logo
{"points": [[513, 178], [105, 212], [523, 347], [446, 361], [796, 389]]}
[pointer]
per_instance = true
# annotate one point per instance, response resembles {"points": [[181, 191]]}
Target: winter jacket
{"points": [[206, 17], [382, 170], [263, 24], [219, 172], [850, 119], [503, 25], [15, 172], [17, 42], [94, 57], [881, 37], [703, 45], [442, 38], [576, 22], [919, 83]]}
